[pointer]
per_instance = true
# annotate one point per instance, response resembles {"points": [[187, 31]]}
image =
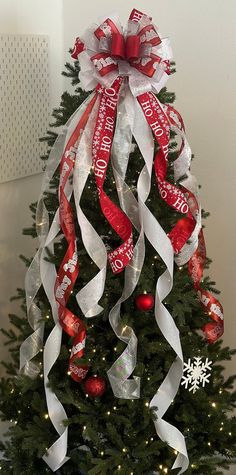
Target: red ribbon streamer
{"points": [[69, 269], [174, 197], [102, 143], [159, 122], [212, 330]]}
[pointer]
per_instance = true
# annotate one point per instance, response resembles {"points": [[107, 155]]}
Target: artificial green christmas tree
{"points": [[109, 434]]}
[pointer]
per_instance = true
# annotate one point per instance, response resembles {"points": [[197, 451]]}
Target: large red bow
{"points": [[136, 48]]}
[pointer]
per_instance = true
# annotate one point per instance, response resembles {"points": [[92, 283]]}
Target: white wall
{"points": [[38, 17]]}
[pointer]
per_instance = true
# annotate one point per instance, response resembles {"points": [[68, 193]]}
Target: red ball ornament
{"points": [[144, 302], [95, 386]]}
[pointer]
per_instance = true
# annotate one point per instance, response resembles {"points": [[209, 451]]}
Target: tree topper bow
{"points": [[106, 52]]}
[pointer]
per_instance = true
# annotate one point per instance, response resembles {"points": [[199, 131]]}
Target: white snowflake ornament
{"points": [[196, 373]]}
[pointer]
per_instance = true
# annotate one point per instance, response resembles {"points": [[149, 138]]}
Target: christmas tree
{"points": [[109, 433]]}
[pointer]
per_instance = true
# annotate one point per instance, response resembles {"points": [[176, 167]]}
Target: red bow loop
{"points": [[104, 63], [118, 46], [132, 47], [78, 48]]}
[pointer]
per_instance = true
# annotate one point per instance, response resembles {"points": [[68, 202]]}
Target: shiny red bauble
{"points": [[95, 386], [144, 302]]}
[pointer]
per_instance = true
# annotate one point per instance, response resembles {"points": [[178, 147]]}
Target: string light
{"points": [[208, 443], [46, 416], [47, 316], [146, 442], [151, 439], [114, 408], [165, 470], [102, 453], [147, 404], [103, 359], [85, 427], [220, 391], [213, 404], [68, 373], [230, 433], [124, 330], [161, 467], [119, 467], [108, 413], [124, 450]]}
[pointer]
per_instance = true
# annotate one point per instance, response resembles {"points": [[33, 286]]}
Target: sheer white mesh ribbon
{"points": [[130, 122], [43, 273]]}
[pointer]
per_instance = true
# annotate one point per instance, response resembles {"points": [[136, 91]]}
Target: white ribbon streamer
{"points": [[161, 243], [56, 454], [125, 364]]}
